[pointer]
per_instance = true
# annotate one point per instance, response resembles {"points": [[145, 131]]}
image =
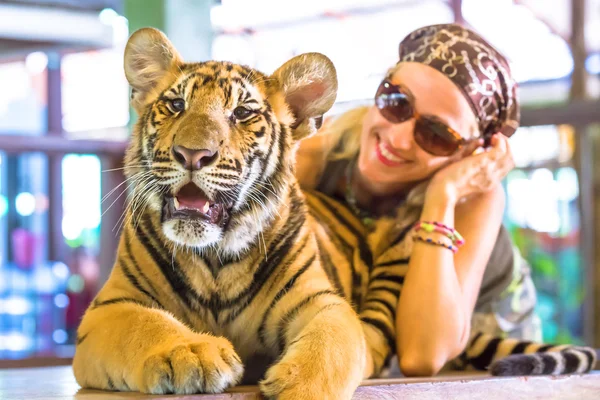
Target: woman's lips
{"points": [[387, 156]]}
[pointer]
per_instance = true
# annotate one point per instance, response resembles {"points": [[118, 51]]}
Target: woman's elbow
{"points": [[416, 364], [429, 358]]}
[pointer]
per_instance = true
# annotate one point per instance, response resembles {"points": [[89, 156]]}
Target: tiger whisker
{"points": [[139, 197], [106, 196], [145, 203], [131, 205], [113, 203]]}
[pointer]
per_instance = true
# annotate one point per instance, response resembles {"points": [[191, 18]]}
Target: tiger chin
{"points": [[217, 265]]}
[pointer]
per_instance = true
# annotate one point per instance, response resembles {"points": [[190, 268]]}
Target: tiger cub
{"points": [[217, 266]]}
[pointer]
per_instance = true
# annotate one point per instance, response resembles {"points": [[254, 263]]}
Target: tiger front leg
{"points": [[324, 357], [124, 345]]}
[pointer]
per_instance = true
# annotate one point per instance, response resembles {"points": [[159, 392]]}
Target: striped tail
{"points": [[513, 357]]}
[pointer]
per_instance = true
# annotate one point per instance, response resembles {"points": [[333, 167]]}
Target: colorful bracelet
{"points": [[436, 242], [451, 233]]}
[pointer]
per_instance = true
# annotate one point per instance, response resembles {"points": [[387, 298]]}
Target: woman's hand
{"points": [[468, 174]]}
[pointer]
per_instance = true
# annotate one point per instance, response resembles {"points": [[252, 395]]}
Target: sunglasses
{"points": [[396, 104]]}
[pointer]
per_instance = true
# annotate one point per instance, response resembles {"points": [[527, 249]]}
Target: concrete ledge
{"points": [[58, 383]]}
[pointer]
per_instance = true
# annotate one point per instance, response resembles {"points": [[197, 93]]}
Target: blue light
{"points": [[592, 64], [60, 336], [61, 300], [25, 204], [15, 341], [60, 270], [45, 281], [3, 205], [15, 305]]}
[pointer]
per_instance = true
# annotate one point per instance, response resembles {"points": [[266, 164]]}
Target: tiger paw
{"points": [[280, 381], [208, 365], [305, 381]]}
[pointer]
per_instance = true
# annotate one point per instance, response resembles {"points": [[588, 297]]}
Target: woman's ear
{"points": [[149, 57], [309, 84]]}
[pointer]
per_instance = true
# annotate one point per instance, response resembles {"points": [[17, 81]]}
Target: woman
{"points": [[412, 156]]}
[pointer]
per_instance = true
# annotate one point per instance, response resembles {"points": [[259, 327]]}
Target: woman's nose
{"points": [[401, 135]]}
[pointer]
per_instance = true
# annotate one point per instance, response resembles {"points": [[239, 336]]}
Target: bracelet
{"points": [[451, 233], [436, 242]]}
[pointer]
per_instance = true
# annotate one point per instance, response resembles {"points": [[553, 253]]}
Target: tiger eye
{"points": [[177, 105], [242, 112]]}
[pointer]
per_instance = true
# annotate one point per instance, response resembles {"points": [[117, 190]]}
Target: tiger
{"points": [[228, 272]]}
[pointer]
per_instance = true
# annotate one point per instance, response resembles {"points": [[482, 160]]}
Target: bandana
{"points": [[479, 71]]}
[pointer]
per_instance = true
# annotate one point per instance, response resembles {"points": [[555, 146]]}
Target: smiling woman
{"points": [[422, 169]]}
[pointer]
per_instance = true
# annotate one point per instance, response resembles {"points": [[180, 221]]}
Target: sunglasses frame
{"points": [[454, 136]]}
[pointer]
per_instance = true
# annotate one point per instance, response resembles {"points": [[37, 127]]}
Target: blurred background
{"points": [[65, 120]]}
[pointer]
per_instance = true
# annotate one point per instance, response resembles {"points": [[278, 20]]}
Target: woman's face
{"points": [[389, 157]]}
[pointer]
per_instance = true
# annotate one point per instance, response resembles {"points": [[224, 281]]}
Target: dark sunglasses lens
{"points": [[435, 138], [392, 103]]}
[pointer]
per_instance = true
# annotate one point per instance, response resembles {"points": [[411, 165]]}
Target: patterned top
{"points": [[507, 297]]}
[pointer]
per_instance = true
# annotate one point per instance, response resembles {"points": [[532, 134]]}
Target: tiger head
{"points": [[214, 143]]}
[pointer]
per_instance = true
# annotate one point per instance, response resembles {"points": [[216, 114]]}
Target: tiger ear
{"points": [[309, 84], [149, 57]]}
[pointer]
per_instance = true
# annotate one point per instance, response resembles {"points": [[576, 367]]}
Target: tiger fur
{"points": [[267, 283]]}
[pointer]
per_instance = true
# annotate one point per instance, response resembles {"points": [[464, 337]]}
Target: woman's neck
{"points": [[373, 197]]}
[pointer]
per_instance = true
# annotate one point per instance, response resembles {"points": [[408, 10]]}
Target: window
{"points": [[50, 203], [543, 217], [23, 105]]}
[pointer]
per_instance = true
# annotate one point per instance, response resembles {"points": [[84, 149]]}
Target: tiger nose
{"points": [[193, 159]]}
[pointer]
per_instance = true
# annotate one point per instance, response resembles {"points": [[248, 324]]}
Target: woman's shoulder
{"points": [[316, 144], [311, 159], [314, 162], [326, 153]]}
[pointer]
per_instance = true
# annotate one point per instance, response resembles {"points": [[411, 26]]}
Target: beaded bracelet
{"points": [[436, 242], [451, 233]]}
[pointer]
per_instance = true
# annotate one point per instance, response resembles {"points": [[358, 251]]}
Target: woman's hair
{"points": [[343, 134]]}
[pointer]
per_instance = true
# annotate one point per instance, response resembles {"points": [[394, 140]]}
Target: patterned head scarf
{"points": [[479, 70]]}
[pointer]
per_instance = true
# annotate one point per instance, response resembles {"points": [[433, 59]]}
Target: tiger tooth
{"points": [[176, 203], [206, 207]]}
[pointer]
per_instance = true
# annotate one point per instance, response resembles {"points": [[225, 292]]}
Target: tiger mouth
{"points": [[191, 203]]}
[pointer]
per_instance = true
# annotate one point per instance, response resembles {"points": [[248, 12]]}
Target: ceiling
{"points": [[60, 25], [558, 18], [80, 5], [253, 15], [74, 25]]}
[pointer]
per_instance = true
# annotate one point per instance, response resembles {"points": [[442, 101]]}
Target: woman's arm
{"points": [[441, 288]]}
